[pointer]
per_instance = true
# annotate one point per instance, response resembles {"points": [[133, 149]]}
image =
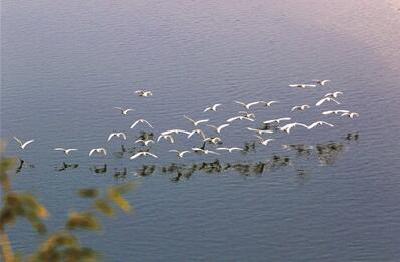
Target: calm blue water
{"points": [[65, 65]]}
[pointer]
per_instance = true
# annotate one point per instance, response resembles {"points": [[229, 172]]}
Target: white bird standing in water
{"points": [[141, 121], [264, 141], [118, 135], [327, 99], [179, 154], [22, 145], [196, 123], [66, 151], [218, 129], [123, 110], [334, 94], [212, 108], [100, 150], [144, 153]]}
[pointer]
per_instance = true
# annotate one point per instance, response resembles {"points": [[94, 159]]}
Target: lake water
{"points": [[65, 65]]}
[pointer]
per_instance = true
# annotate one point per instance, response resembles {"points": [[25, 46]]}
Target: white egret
{"points": [[144, 153], [144, 142], [218, 129], [277, 120], [300, 108], [179, 154], [123, 110], [65, 150], [327, 99], [212, 108], [230, 149], [334, 94], [100, 150], [264, 141], [239, 118], [118, 135], [22, 145], [196, 123], [141, 121]]}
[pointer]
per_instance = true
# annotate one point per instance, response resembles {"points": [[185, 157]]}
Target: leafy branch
{"points": [[62, 245]]}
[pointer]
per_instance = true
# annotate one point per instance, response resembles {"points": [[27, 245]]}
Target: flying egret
{"points": [[22, 145], [195, 123], [260, 131], [334, 94], [239, 118], [204, 151], [336, 112], [300, 108], [144, 142], [327, 99], [65, 150], [100, 150], [118, 135], [247, 114], [302, 85], [318, 123], [230, 149], [248, 105], [264, 141], [218, 129], [212, 140], [143, 153], [286, 128], [179, 154], [277, 120], [123, 110], [197, 131], [212, 108], [350, 114], [141, 121], [144, 93], [166, 137], [321, 82]]}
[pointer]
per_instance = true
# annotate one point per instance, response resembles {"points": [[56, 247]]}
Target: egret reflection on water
{"points": [[65, 166]]}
